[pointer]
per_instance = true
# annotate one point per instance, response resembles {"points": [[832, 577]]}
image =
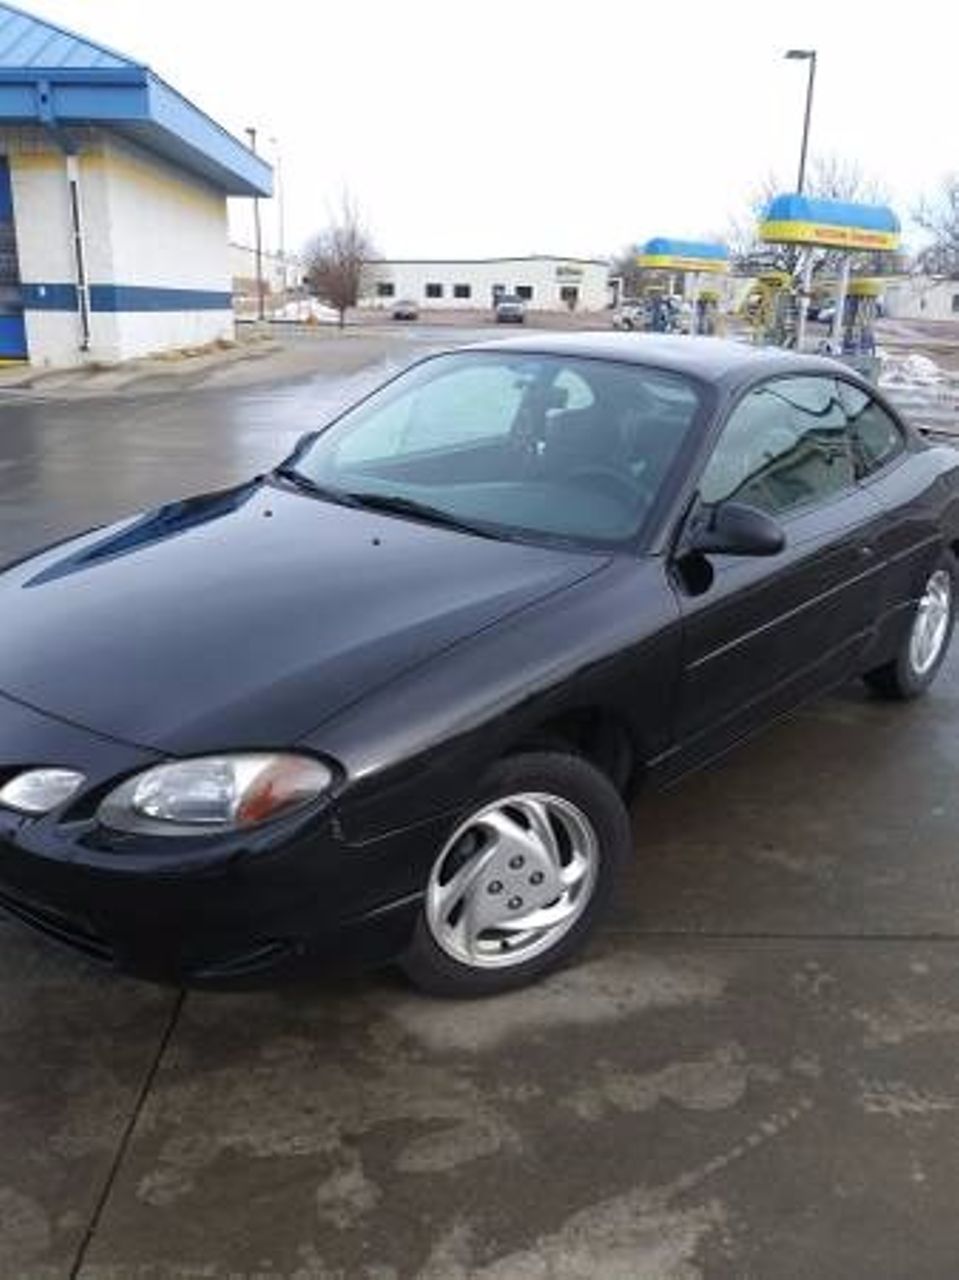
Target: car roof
{"points": [[716, 360]]}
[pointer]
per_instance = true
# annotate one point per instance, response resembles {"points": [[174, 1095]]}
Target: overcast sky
{"points": [[544, 126]]}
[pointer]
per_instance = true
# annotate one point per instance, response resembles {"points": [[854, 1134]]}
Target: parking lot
{"points": [[753, 1075]]}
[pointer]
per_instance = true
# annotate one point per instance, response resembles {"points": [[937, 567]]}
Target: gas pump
{"points": [[770, 310], [659, 311], [862, 304], [708, 319]]}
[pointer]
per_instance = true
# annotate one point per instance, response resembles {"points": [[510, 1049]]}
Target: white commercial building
{"points": [[921, 298], [545, 283], [279, 271], [113, 189]]}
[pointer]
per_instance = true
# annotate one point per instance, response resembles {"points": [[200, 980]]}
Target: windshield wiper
{"points": [[288, 472], [398, 505]]}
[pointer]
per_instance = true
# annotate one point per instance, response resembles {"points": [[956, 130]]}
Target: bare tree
{"points": [[747, 252], [833, 177], [940, 217], [624, 265], [338, 260]]}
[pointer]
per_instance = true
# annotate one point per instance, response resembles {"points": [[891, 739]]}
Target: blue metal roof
{"points": [[837, 213], [50, 76], [25, 41], [663, 246]]}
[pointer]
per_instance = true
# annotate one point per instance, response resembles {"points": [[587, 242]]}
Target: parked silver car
{"points": [[629, 315], [509, 308]]}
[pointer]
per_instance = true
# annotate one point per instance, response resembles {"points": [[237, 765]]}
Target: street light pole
{"points": [[260, 309], [805, 55]]}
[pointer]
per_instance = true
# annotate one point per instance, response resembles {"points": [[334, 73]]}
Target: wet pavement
{"points": [[752, 1076]]}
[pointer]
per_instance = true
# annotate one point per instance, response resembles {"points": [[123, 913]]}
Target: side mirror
{"points": [[736, 529]]}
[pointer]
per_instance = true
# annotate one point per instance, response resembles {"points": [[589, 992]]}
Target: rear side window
{"points": [[876, 436], [784, 447]]}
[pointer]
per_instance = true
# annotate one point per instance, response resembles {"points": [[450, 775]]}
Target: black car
{"points": [[405, 309], [387, 700]]}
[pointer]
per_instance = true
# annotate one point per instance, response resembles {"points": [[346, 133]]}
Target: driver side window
{"points": [[785, 446]]}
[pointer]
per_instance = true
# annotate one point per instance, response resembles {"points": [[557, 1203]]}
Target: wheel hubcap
{"points": [[512, 880], [931, 625]]}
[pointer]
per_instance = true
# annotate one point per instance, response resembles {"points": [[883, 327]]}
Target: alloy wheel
{"points": [[930, 629]]}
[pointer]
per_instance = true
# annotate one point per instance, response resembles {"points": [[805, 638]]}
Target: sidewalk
{"points": [[255, 356]]}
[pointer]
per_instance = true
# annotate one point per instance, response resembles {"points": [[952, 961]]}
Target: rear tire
{"points": [[923, 650], [523, 878]]}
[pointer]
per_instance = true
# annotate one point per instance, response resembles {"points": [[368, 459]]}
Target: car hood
{"points": [[246, 618]]}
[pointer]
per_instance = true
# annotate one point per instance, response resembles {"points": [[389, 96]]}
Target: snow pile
{"points": [[913, 370]]}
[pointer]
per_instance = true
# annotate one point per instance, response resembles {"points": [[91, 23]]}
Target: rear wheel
{"points": [[523, 878], [924, 648]]}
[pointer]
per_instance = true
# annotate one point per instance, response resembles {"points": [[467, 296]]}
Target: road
{"points": [[753, 1075]]}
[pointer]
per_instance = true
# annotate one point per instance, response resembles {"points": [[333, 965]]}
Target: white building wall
{"points": [[167, 230], [146, 223], [278, 273], [42, 217], [546, 276], [167, 227], [921, 298]]}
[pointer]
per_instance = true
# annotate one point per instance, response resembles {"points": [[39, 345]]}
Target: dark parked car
{"points": [[510, 309], [387, 700], [405, 309]]}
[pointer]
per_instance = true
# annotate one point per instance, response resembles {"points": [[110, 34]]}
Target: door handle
{"points": [[866, 551]]}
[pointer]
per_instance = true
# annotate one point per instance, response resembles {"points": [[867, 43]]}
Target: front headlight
{"points": [[213, 794], [38, 791]]}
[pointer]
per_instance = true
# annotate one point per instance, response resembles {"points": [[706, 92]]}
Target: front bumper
{"points": [[206, 911]]}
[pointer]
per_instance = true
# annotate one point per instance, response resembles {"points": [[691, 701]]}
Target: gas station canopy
{"points": [[831, 224], [683, 255]]}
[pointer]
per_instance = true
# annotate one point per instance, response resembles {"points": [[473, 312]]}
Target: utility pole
{"points": [[260, 309], [805, 55], [280, 212]]}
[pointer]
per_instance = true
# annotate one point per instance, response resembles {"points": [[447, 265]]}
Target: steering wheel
{"points": [[610, 482]]}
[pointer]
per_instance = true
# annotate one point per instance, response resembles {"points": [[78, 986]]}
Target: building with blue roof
{"points": [[113, 190]]}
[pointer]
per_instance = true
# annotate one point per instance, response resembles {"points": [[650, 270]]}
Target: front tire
{"points": [[523, 878], [923, 650]]}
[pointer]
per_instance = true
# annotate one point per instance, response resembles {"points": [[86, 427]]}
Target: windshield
{"points": [[514, 444]]}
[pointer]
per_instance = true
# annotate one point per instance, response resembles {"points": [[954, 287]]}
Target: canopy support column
{"points": [[693, 303], [839, 317], [804, 292]]}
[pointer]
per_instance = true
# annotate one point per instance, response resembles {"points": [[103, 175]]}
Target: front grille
{"points": [[79, 937]]}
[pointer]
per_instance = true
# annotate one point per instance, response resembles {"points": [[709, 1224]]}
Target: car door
{"points": [[910, 485], [762, 633]]}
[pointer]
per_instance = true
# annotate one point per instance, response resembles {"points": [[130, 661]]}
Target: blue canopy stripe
{"points": [[842, 224], [663, 253]]}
